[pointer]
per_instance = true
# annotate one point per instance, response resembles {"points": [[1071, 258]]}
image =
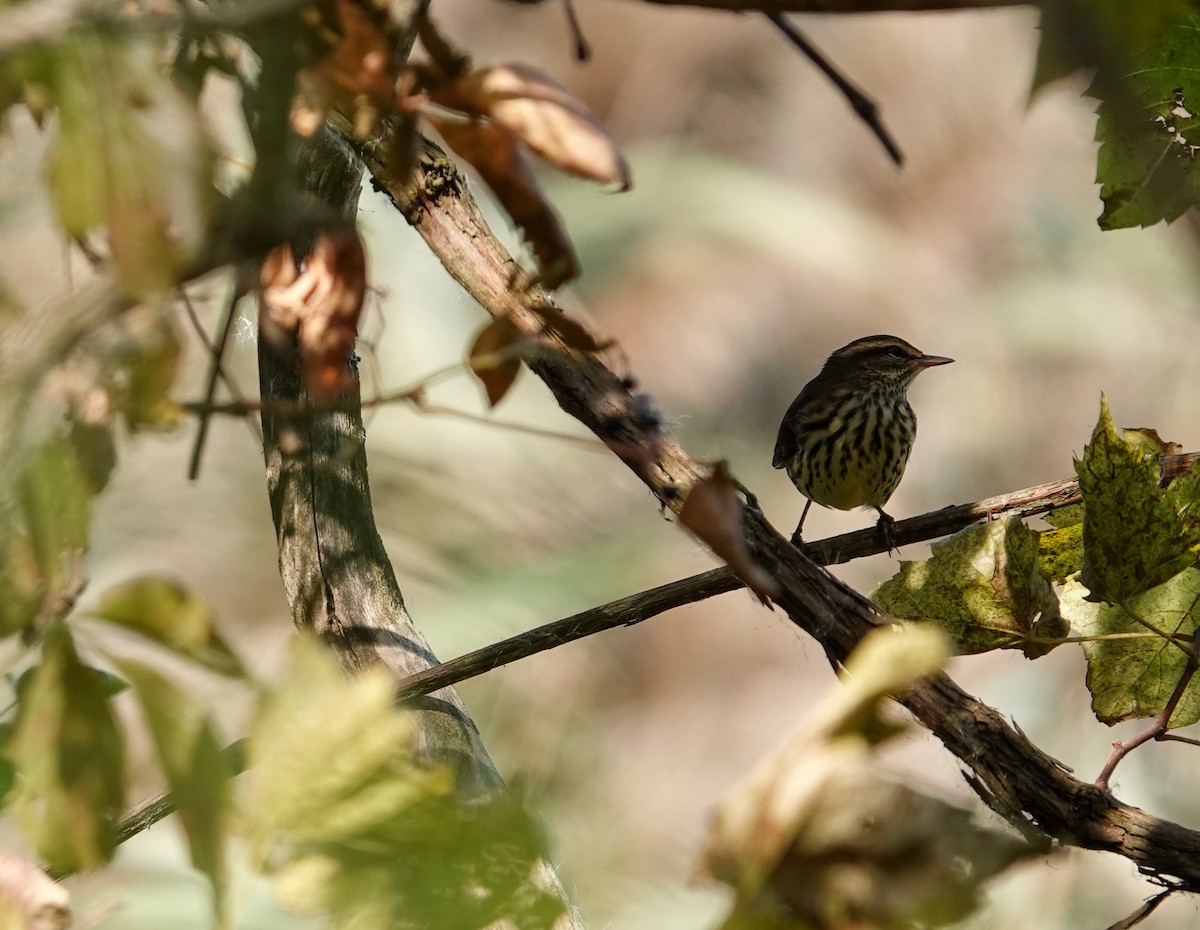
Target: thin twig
{"points": [[215, 371], [1158, 729], [646, 604], [1147, 908], [866, 108], [230, 385]]}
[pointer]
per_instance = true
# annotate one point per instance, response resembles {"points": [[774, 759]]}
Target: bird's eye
{"points": [[895, 352]]}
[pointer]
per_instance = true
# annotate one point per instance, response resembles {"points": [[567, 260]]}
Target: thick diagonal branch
{"points": [[1009, 772]]}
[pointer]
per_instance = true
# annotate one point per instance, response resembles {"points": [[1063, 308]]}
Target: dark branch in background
{"points": [[216, 353], [1013, 776], [864, 106]]}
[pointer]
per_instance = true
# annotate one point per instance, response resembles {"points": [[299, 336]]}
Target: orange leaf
{"points": [[544, 115], [495, 155], [494, 357], [713, 512], [321, 304]]}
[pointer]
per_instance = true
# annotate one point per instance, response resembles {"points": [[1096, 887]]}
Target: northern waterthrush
{"points": [[846, 438]]}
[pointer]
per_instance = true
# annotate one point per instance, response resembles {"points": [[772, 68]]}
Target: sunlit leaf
{"points": [[1060, 552], [1134, 675], [197, 772], [354, 829], [1135, 534], [129, 156], [495, 357], [1148, 131], [494, 153], [328, 756], [713, 512], [70, 757], [171, 615], [542, 114], [983, 586], [817, 837]]}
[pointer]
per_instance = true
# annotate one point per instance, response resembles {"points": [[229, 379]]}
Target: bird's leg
{"points": [[796, 540], [887, 530]]}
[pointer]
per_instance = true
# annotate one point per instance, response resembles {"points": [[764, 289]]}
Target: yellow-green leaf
{"points": [[328, 755], [983, 586], [1134, 673], [1135, 534], [198, 774], [1060, 552], [165, 611], [70, 759], [129, 156]]}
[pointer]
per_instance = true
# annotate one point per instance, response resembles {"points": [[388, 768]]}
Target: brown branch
{"points": [[1010, 773], [866, 108], [643, 605]]}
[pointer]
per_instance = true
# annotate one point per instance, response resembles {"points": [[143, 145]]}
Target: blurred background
{"points": [[766, 228]]}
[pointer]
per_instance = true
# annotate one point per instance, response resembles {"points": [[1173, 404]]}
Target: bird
{"points": [[847, 436]]}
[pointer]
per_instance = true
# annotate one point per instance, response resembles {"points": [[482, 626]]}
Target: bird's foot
{"points": [[887, 532]]}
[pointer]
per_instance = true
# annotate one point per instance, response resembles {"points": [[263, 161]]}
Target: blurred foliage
{"points": [[819, 837], [335, 808]]}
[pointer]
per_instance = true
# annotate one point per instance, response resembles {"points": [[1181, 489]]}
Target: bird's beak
{"points": [[929, 361]]}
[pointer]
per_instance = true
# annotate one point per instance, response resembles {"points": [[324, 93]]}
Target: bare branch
{"points": [[1013, 776], [866, 108]]}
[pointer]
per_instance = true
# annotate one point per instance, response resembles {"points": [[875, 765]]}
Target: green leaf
{"points": [[1098, 33], [1135, 675], [1148, 132], [328, 756], [129, 156], [146, 364], [165, 611], [352, 827], [1135, 535], [55, 501], [69, 755], [1060, 552], [1071, 515], [198, 774], [983, 586], [43, 537]]}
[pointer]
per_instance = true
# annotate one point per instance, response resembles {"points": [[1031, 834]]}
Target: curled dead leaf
{"points": [[494, 153], [570, 331], [356, 75], [713, 512], [544, 115], [321, 304], [494, 357]]}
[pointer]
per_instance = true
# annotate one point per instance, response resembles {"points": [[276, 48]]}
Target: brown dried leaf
{"points": [[570, 331], [356, 76], [544, 115], [495, 155], [321, 303], [493, 357], [713, 512]]}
